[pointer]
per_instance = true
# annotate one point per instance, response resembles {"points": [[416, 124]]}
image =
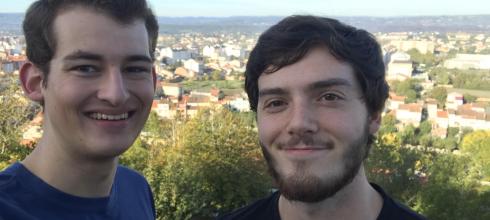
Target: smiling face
{"points": [[100, 86], [313, 126]]}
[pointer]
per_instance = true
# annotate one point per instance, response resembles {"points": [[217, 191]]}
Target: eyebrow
{"points": [[329, 83], [83, 56], [272, 91], [312, 87], [96, 57], [135, 58]]}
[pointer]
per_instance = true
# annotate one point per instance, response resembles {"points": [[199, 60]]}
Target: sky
{"points": [[225, 8]]}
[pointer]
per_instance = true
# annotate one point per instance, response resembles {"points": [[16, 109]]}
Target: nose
{"points": [[302, 120], [113, 88]]}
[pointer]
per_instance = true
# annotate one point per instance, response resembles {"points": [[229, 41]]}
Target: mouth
{"points": [[110, 117], [307, 149], [304, 151]]}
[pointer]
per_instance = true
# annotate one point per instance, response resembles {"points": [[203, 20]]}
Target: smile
{"points": [[101, 116]]}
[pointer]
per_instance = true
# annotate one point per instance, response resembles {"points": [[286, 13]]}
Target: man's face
{"points": [[100, 86], [313, 126]]}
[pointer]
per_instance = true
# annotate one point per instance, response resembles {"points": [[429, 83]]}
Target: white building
{"points": [[468, 61], [453, 100], [409, 114], [192, 65], [423, 46], [172, 89], [399, 66], [240, 104]]}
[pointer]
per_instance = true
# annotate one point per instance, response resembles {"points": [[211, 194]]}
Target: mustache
{"points": [[307, 140]]}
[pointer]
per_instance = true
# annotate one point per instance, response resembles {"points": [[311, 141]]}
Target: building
{"points": [[395, 101], [423, 46], [453, 100], [163, 109], [468, 61], [239, 104], [172, 89], [432, 111], [193, 65], [399, 66], [409, 114]]}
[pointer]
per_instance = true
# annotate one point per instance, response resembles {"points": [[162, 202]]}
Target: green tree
{"points": [[388, 125], [425, 128], [419, 58], [216, 75], [437, 184], [440, 75], [394, 167], [14, 113], [214, 166], [408, 135], [468, 98], [477, 144], [440, 94], [408, 88]]}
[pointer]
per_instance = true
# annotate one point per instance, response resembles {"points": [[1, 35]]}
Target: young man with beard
{"points": [[91, 68], [318, 88]]}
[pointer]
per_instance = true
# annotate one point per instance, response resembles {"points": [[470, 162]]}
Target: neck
{"points": [[357, 195], [71, 174]]}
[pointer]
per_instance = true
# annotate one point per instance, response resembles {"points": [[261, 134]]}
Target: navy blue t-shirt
{"points": [[268, 209], [25, 196]]}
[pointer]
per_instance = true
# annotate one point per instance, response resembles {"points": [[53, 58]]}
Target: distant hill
{"points": [[466, 23]]}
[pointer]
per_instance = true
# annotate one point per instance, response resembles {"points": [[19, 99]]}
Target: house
{"points": [[163, 109], [193, 65], [409, 114], [432, 111], [453, 100], [399, 66], [423, 46], [181, 71], [468, 61], [172, 89], [239, 104], [395, 101]]}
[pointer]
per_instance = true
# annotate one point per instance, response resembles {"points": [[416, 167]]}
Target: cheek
{"points": [[343, 124], [143, 90], [268, 129]]}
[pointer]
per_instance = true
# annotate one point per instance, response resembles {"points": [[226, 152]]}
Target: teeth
{"points": [[100, 116]]}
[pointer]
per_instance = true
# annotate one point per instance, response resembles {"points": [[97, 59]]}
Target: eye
{"points": [[85, 69], [137, 70], [330, 97], [275, 105]]}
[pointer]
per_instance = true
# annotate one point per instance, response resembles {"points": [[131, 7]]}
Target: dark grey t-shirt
{"points": [[268, 209]]}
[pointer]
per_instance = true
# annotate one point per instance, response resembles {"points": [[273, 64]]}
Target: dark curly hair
{"points": [[293, 37]]}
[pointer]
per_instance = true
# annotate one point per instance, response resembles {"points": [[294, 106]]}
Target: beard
{"points": [[306, 187]]}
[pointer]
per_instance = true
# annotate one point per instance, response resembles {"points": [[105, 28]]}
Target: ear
{"points": [[374, 122], [31, 78], [154, 75]]}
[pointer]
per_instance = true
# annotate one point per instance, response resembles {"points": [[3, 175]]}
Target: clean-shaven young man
{"points": [[91, 68]]}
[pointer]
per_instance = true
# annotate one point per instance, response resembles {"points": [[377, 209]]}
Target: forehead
{"points": [[82, 28], [317, 65]]}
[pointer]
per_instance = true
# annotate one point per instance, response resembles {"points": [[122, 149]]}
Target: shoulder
{"points": [[265, 208], [128, 179], [126, 174], [9, 176], [394, 210], [11, 192], [10, 171], [134, 194]]}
